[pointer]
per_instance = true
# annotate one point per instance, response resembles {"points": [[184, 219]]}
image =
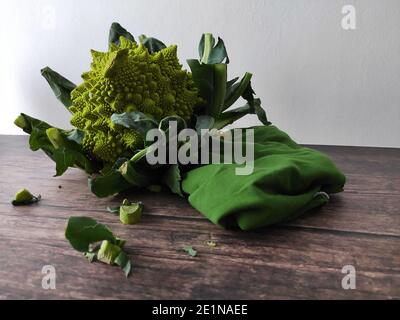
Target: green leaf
{"points": [[203, 77], [76, 135], [230, 86], [91, 256], [135, 120], [60, 145], [172, 178], [68, 153], [37, 131], [83, 231], [211, 82], [108, 185], [124, 262], [61, 86], [38, 139], [136, 176], [260, 112], [255, 104], [253, 107], [116, 31], [210, 54], [235, 91], [190, 251], [131, 173], [152, 44], [64, 160]]}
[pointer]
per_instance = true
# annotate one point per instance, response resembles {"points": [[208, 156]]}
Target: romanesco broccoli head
{"points": [[124, 79]]}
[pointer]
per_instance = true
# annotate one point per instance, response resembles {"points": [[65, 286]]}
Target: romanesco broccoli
{"points": [[124, 79]]}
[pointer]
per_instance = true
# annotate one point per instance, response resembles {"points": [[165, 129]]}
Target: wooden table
{"points": [[302, 259]]}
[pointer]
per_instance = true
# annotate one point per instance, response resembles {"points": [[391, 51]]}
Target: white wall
{"points": [[318, 82]]}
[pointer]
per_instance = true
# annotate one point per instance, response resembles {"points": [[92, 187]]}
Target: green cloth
{"points": [[288, 180]]}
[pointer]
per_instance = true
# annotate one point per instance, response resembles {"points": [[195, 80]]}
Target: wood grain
{"points": [[299, 260]]}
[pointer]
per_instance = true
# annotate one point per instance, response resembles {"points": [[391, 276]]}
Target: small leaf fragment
{"points": [[114, 210], [190, 251], [124, 262], [91, 256], [211, 243]]}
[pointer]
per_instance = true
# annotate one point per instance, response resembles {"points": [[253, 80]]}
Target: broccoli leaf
{"points": [[113, 210], [135, 120], [137, 176], [210, 79], [152, 44], [124, 262], [60, 145], [252, 107], [64, 160], [203, 77], [131, 173], [116, 31], [236, 90], [172, 178], [91, 256], [37, 131], [61, 86], [210, 54], [109, 184], [76, 135], [190, 251], [68, 153], [83, 231]]}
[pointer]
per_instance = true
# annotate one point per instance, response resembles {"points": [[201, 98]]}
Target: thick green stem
{"points": [[208, 44]]}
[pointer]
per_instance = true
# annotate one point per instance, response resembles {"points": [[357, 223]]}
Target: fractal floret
{"points": [[128, 78]]}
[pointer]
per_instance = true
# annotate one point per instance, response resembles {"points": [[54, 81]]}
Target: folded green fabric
{"points": [[288, 180]]}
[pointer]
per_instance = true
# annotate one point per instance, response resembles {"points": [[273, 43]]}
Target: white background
{"points": [[318, 82]]}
